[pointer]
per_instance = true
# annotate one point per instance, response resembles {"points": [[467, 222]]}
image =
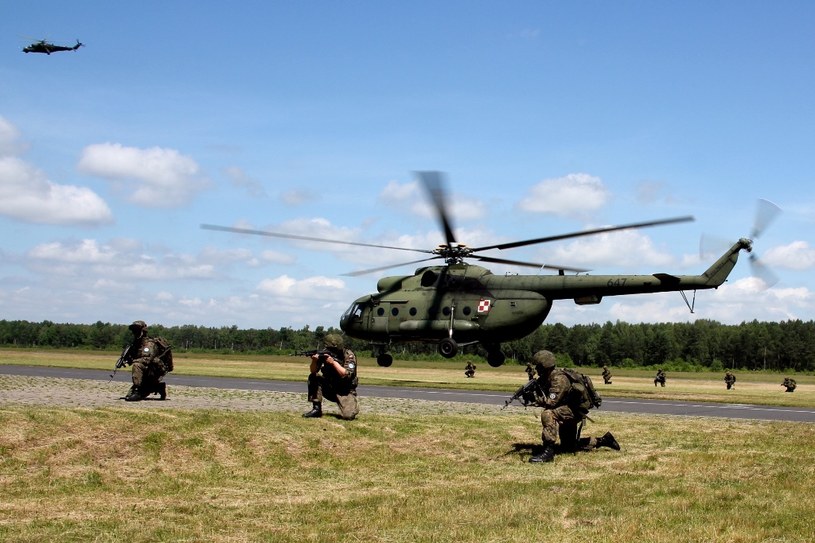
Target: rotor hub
{"points": [[453, 254]]}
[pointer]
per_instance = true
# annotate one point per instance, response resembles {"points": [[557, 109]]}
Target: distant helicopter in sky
{"points": [[43, 46]]}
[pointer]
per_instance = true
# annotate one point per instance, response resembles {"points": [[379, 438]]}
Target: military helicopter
{"points": [[42, 46], [459, 304]]}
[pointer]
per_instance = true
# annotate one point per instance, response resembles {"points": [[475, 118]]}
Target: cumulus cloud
{"points": [[9, 139], [87, 259], [413, 197], [798, 255], [573, 195], [155, 177], [26, 194], [310, 287], [626, 248]]}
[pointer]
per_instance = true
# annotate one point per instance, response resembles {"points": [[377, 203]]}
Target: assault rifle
{"points": [[122, 362], [322, 353], [526, 393]]}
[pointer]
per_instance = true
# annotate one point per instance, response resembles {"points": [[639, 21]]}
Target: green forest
{"points": [[697, 346]]}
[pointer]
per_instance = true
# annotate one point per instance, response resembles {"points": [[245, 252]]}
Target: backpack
{"points": [[583, 388], [166, 356]]}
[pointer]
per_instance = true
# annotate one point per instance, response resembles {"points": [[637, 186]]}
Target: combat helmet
{"points": [[544, 359], [138, 326], [334, 342]]}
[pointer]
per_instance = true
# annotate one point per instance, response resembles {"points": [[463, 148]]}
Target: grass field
{"points": [[165, 471]]}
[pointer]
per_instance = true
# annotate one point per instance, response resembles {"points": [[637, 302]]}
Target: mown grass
{"points": [[751, 387], [113, 474]]}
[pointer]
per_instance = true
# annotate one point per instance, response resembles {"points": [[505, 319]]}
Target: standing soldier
{"points": [[566, 403], [333, 375], [730, 380], [790, 383], [660, 377], [152, 359], [469, 370], [606, 375]]}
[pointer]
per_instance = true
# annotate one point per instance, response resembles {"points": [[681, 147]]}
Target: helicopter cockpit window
{"points": [[355, 311], [429, 278]]}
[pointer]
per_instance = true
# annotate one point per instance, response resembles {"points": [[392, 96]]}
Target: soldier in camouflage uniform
{"points": [[333, 376], [790, 384], [564, 410], [660, 377], [151, 359], [469, 369], [729, 380], [606, 375]]}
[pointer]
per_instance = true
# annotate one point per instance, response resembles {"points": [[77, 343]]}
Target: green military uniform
{"points": [[151, 359], [328, 382], [469, 370], [729, 380], [564, 409], [790, 384], [660, 378], [606, 375]]}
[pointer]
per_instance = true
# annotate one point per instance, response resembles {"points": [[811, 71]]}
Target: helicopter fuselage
{"points": [[465, 303]]}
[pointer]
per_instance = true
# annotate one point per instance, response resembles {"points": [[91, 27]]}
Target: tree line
{"points": [[700, 345]]}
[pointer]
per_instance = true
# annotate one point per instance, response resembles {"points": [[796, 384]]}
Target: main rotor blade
{"points": [[305, 238], [511, 245], [766, 212], [389, 266], [528, 264], [434, 183]]}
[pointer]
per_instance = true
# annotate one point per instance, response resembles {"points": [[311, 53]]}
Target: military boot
{"points": [[315, 413], [133, 395], [162, 391], [608, 441], [547, 455]]}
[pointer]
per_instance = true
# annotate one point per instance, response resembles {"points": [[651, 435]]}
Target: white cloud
{"points": [[310, 287], [9, 139], [574, 194], [27, 195], [155, 177], [626, 248], [797, 255], [238, 178], [414, 198]]}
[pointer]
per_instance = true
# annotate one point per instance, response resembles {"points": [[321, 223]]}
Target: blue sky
{"points": [[310, 117]]}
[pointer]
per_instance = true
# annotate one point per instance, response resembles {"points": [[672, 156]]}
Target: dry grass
{"points": [[169, 474]]}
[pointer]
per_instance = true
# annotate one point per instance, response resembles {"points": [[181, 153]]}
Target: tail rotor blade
{"points": [[766, 212], [764, 273]]}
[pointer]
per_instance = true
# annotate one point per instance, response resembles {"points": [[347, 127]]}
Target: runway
{"points": [[650, 407]]}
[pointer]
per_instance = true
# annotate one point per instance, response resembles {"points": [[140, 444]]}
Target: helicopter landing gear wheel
{"points": [[448, 348], [495, 357], [385, 360]]}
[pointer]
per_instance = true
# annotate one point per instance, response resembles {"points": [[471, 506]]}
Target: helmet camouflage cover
{"points": [[138, 325], [545, 359], [333, 341]]}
